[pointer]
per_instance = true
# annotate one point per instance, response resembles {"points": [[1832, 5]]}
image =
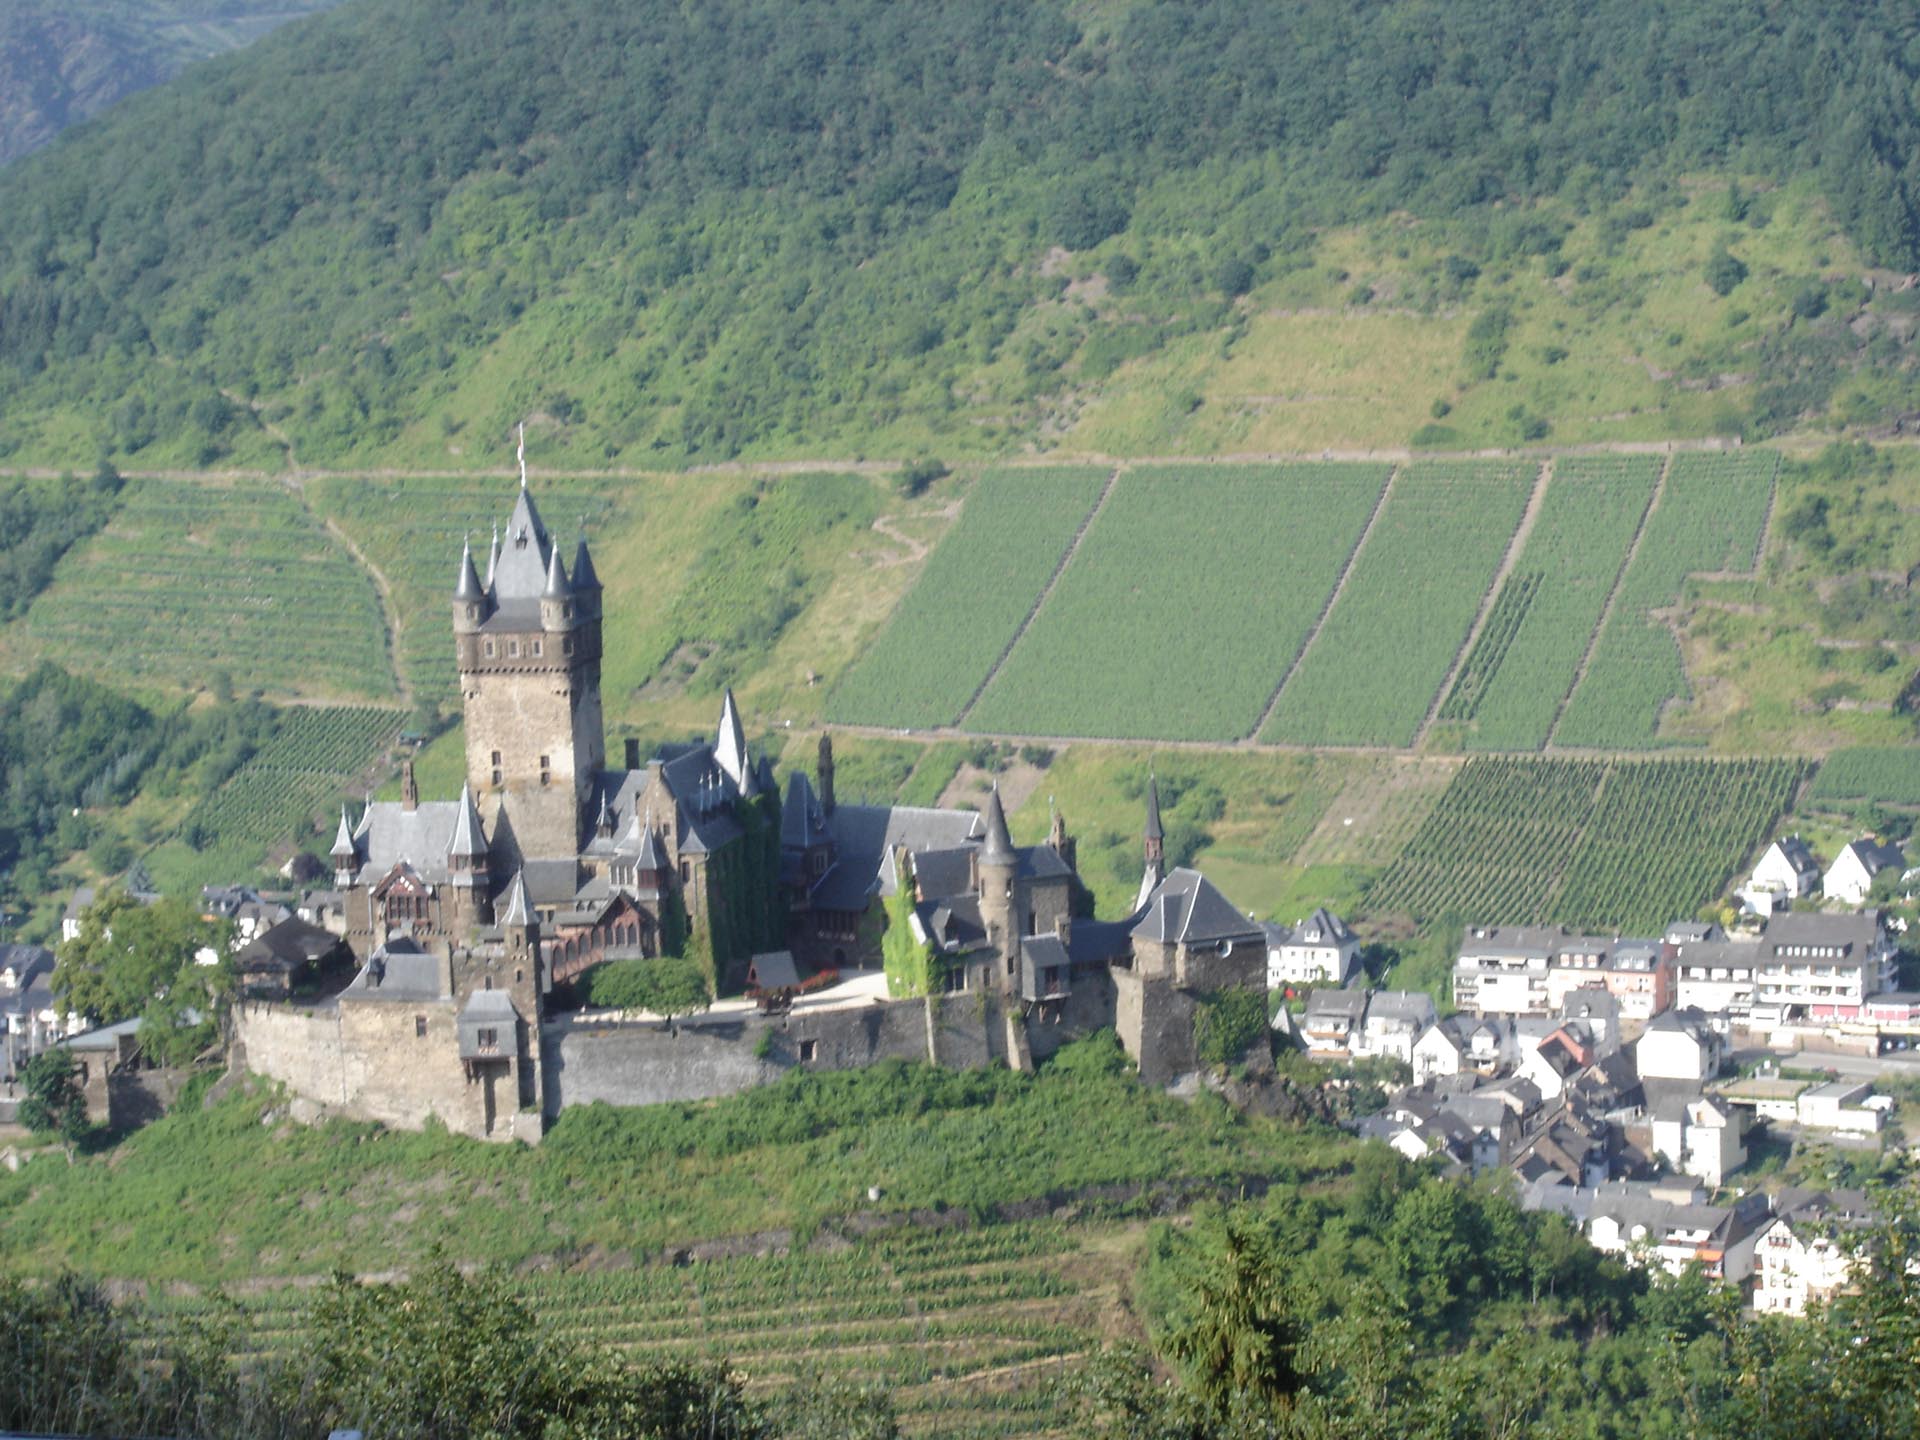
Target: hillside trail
{"points": [[1038, 459], [390, 612]]}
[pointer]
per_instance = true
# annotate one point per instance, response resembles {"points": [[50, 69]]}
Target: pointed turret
{"points": [[557, 587], [346, 859], [493, 557], [519, 912], [409, 788], [825, 767], [469, 837], [603, 822], [730, 746], [999, 847], [584, 576], [469, 598], [468, 585], [1155, 868]]}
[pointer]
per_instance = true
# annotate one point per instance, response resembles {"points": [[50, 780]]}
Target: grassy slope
{"points": [[220, 1196]]}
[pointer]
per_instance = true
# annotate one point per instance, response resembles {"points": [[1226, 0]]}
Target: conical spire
{"points": [[519, 908], [342, 839], [468, 837], [557, 586], [584, 577], [467, 587], [1154, 831], [493, 555], [730, 747], [603, 822], [999, 846]]}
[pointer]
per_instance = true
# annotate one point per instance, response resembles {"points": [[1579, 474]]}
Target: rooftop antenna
{"points": [[522, 454]]}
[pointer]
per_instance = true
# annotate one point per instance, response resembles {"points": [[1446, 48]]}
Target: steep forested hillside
{"points": [[64, 61], [675, 230]]}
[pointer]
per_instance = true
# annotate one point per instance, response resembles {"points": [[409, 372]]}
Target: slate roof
{"points": [[774, 970], [1153, 831], [865, 837], [1873, 856], [953, 924], [517, 911], [1795, 852], [1856, 936], [1187, 909], [399, 971], [521, 573], [1039, 953], [730, 748], [803, 823], [1322, 927], [1099, 941], [1324, 1005], [998, 848], [286, 946], [26, 961], [390, 833]]}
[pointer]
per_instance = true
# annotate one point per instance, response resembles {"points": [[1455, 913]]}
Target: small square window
{"points": [[809, 1051], [419, 1027], [546, 770]]}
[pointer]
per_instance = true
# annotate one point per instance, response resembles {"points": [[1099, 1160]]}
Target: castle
{"points": [[466, 914]]}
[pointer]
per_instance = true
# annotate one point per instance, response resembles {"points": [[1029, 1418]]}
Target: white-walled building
{"points": [[1788, 872], [1700, 1137], [1319, 950], [1808, 1251], [1850, 877], [1680, 1045]]}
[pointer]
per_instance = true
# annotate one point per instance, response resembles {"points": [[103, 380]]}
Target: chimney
{"points": [[633, 753], [409, 791], [826, 775]]}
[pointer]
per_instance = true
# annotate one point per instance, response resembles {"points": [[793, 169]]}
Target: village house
{"points": [[1699, 1136], [1680, 1045], [1809, 1249], [1319, 950], [1850, 878], [1786, 873], [1534, 969]]}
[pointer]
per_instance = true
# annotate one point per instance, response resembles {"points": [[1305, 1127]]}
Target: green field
{"points": [[972, 596], [196, 576], [1710, 516], [1609, 845], [1188, 598], [1526, 658], [1410, 599]]}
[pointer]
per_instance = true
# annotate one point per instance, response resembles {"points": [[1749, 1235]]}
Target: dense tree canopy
{"points": [[719, 225]]}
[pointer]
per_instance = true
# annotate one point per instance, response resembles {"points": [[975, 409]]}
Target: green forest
{"points": [[668, 232]]}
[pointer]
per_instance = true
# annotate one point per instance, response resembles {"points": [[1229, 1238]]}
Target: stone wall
{"points": [[368, 1062], [701, 1058]]}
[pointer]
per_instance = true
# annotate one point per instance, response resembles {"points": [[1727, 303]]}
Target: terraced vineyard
{"points": [[1611, 845], [412, 530], [196, 576], [978, 587], [1711, 516], [1527, 656], [1187, 600], [299, 776], [1416, 586], [968, 1328]]}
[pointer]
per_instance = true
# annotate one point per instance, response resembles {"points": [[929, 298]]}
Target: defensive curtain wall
{"points": [[330, 1063]]}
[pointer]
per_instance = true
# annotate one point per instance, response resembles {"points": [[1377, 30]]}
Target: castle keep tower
{"points": [[528, 643]]}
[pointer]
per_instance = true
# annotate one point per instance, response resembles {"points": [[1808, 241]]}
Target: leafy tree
{"points": [[1724, 271], [665, 986], [53, 1103], [128, 955]]}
